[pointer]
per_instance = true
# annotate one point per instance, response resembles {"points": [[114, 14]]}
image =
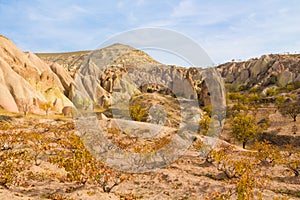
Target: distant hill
{"points": [[114, 54], [69, 60]]}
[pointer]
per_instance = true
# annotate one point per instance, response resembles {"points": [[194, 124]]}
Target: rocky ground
{"points": [[190, 177]]}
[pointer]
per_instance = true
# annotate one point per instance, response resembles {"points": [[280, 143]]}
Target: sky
{"points": [[226, 30]]}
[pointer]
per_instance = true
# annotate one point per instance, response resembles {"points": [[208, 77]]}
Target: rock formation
{"points": [[268, 70], [26, 81], [67, 111], [120, 71]]}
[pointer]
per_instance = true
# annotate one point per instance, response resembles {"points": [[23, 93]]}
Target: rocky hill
{"points": [[26, 81], [273, 70], [120, 71], [70, 60], [73, 60], [267, 72]]}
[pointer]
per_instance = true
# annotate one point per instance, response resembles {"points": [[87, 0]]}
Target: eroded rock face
{"points": [[268, 70], [120, 69], [24, 77], [26, 81]]}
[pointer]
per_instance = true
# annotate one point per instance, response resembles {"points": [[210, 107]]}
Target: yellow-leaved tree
{"points": [[244, 128]]}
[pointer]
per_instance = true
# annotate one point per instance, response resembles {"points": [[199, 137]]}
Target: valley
{"points": [[226, 132]]}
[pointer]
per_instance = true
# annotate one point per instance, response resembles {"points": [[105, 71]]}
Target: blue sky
{"points": [[226, 30]]}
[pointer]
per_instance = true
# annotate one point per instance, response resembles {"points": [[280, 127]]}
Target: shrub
{"points": [[13, 162], [272, 92], [279, 101], [38, 144], [291, 159], [5, 118], [81, 166], [267, 153], [137, 112], [253, 90], [149, 90], [254, 98], [242, 172], [204, 124], [290, 87], [208, 110]]}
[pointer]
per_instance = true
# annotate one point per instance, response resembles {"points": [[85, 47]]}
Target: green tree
{"points": [[291, 109], [244, 128]]}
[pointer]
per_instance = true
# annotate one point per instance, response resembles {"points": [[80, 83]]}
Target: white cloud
{"points": [[185, 8], [55, 13]]}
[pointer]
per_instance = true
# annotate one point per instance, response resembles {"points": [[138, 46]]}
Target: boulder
{"points": [[67, 111]]}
